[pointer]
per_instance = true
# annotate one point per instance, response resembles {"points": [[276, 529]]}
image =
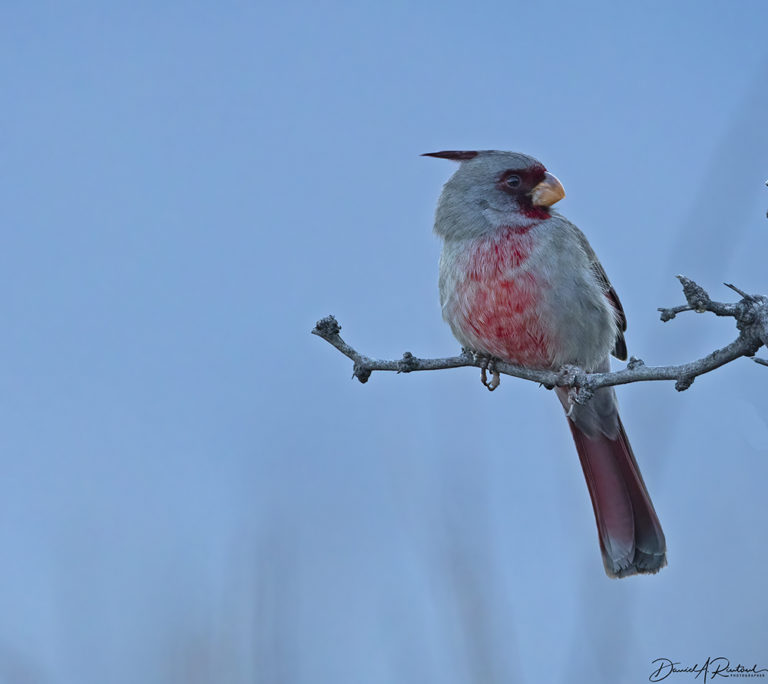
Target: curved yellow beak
{"points": [[549, 191]]}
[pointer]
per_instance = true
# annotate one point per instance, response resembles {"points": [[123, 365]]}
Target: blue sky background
{"points": [[192, 489]]}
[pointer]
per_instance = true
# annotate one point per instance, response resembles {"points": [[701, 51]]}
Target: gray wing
{"points": [[620, 348]]}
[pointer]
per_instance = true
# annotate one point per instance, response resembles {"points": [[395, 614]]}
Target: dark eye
{"points": [[513, 181]]}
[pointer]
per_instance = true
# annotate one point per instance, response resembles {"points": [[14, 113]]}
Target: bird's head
{"points": [[498, 188]]}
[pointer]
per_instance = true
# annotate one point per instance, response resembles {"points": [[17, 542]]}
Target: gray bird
{"points": [[520, 283]]}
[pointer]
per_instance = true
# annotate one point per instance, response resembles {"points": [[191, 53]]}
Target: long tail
{"points": [[631, 538]]}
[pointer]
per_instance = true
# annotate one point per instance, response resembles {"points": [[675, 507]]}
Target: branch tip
{"points": [[738, 291], [327, 327], [695, 294], [667, 314]]}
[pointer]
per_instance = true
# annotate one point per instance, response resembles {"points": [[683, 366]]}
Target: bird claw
{"points": [[567, 375], [566, 379], [495, 379], [488, 364]]}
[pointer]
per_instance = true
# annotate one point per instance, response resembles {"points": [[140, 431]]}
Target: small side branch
{"points": [[751, 314]]}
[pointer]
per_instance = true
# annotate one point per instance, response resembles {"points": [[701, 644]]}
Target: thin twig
{"points": [[751, 314]]}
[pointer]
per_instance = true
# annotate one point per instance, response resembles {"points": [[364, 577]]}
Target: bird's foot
{"points": [[567, 378], [495, 379], [488, 364], [567, 375]]}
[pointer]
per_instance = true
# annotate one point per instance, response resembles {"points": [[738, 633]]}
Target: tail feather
{"points": [[631, 538]]}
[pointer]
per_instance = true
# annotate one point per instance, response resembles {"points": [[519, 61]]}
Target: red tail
{"points": [[631, 538]]}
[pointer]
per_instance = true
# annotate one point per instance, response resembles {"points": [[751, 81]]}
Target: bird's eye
{"points": [[513, 181]]}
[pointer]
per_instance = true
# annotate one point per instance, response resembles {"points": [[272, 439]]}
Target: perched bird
{"points": [[520, 283]]}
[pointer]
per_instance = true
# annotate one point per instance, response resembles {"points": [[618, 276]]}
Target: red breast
{"points": [[497, 300]]}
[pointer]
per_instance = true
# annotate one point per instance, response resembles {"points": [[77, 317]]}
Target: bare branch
{"points": [[751, 314]]}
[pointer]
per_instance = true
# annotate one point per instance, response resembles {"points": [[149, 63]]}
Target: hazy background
{"points": [[192, 488]]}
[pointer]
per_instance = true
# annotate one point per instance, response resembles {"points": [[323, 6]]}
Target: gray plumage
{"points": [[520, 282]]}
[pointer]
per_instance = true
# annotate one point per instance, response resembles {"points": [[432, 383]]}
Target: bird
{"points": [[520, 283]]}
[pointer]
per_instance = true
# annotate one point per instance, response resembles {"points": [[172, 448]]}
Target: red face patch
{"points": [[519, 183]]}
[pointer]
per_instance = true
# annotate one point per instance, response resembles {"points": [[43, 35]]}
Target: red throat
{"points": [[540, 213]]}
